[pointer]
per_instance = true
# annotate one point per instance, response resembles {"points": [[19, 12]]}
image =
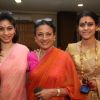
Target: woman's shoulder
{"points": [[32, 60], [64, 55], [61, 52], [21, 46], [32, 55], [72, 47]]}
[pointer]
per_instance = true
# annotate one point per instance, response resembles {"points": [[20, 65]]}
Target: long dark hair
{"points": [[91, 14]]}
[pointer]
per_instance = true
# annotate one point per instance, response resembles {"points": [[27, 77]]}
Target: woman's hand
{"points": [[92, 84], [46, 94]]}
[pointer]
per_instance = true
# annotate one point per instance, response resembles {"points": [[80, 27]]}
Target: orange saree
{"points": [[55, 70]]}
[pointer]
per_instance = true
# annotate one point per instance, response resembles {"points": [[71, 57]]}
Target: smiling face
{"points": [[7, 31], [87, 27], [44, 36]]}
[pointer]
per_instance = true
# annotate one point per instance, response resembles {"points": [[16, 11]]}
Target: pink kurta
{"points": [[13, 72]]}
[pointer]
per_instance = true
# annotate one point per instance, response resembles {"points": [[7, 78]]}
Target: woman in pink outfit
{"points": [[13, 60]]}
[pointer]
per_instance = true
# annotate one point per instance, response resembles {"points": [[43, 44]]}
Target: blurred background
{"points": [[62, 11]]}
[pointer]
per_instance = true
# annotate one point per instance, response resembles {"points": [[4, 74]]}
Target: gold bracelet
{"points": [[58, 92]]}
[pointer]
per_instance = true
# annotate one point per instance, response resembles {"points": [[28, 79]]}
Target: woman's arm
{"points": [[46, 94]]}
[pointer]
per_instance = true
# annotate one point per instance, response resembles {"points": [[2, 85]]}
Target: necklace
{"points": [[39, 53], [81, 58]]}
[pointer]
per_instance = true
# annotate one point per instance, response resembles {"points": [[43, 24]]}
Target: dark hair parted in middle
{"points": [[7, 15], [87, 13], [44, 22]]}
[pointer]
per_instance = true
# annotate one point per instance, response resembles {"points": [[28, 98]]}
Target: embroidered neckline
{"points": [[81, 58]]}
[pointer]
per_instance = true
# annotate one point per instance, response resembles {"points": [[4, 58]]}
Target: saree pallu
{"points": [[55, 70], [89, 65]]}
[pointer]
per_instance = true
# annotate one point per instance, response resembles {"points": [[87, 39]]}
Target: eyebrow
{"points": [[86, 22], [6, 27]]}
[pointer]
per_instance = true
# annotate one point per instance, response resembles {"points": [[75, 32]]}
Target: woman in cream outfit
{"points": [[86, 53]]}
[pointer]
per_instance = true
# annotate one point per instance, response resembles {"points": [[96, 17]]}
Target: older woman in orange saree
{"points": [[55, 73]]}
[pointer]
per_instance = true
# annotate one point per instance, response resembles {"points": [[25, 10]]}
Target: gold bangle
{"points": [[58, 92]]}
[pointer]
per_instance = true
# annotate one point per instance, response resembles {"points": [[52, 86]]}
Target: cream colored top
{"points": [[88, 64]]}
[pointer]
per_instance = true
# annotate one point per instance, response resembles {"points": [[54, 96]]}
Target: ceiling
{"points": [[49, 5]]}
